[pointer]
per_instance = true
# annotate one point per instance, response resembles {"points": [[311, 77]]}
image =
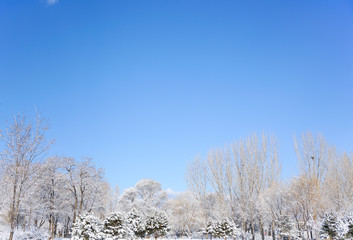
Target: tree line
{"points": [[236, 191], [243, 181], [40, 192]]}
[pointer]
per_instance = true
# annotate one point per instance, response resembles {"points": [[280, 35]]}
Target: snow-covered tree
{"points": [[337, 226], [115, 227], [51, 195], [222, 229], [329, 226], [88, 227], [150, 195], [146, 196], [238, 175], [157, 224], [313, 154], [134, 220], [209, 229], [23, 144], [111, 199], [85, 184], [185, 214], [284, 226], [128, 200], [349, 223]]}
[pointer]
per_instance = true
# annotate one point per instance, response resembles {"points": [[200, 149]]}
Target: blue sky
{"points": [[142, 87]]}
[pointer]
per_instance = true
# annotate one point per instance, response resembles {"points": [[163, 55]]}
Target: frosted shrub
{"points": [[115, 227], [87, 227], [135, 223], [335, 227], [222, 229], [157, 224], [284, 227]]}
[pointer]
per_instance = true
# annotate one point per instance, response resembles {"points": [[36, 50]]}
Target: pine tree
{"points": [[328, 229], [350, 230], [284, 226], [209, 230], [349, 225], [135, 223], [221, 229], [157, 224], [115, 227], [87, 227], [226, 228]]}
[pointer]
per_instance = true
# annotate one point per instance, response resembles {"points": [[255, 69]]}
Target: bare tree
{"points": [[85, 184], [196, 178], [338, 184], [347, 179], [146, 196], [257, 168], [304, 204], [51, 193], [24, 145], [150, 193], [313, 154], [197, 181], [273, 205], [185, 214], [238, 174]]}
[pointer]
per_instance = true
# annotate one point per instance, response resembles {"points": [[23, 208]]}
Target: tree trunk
{"points": [[52, 229], [11, 235], [67, 227], [75, 210], [243, 228], [30, 218], [262, 230], [273, 230], [81, 201], [14, 213], [56, 226], [49, 225], [253, 230], [12, 210]]}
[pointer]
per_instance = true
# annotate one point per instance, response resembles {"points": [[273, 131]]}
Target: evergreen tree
{"points": [[87, 227], [350, 230], [157, 224], [284, 226], [349, 225], [221, 229], [328, 229], [209, 230], [224, 229], [135, 223], [115, 227]]}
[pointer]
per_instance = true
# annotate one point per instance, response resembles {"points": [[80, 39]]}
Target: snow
{"points": [[22, 235]]}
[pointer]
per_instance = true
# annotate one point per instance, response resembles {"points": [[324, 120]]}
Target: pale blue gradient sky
{"points": [[144, 86]]}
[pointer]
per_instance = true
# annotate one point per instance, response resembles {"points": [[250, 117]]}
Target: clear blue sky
{"points": [[144, 86]]}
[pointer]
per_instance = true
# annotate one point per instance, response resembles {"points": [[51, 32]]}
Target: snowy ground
{"points": [[21, 235]]}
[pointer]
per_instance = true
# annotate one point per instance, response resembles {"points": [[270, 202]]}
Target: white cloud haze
{"points": [[171, 193]]}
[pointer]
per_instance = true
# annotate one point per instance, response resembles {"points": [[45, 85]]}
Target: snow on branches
{"points": [[221, 229]]}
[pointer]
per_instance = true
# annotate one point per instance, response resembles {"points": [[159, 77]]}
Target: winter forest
{"points": [[235, 193]]}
